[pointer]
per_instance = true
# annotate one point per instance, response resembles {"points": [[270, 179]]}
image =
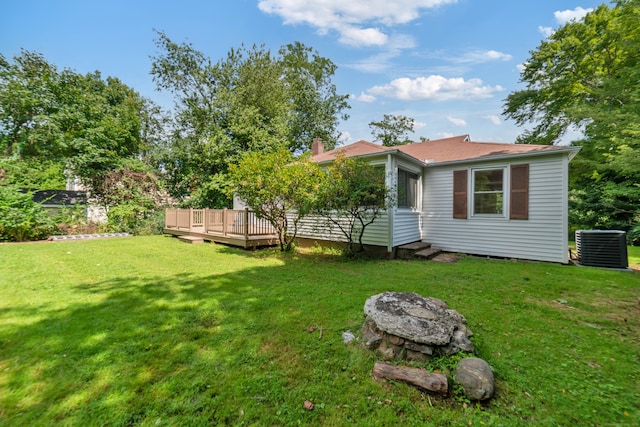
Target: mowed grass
{"points": [[151, 331]]}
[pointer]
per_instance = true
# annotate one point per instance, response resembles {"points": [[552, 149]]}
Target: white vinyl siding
{"points": [[317, 227], [543, 236], [406, 227]]}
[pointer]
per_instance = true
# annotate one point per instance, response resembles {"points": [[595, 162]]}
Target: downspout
{"points": [[564, 256], [391, 211]]}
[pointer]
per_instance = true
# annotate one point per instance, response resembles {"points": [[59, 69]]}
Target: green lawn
{"points": [[151, 331], [634, 257]]}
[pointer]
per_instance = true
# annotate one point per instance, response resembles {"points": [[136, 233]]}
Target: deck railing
{"points": [[218, 221]]}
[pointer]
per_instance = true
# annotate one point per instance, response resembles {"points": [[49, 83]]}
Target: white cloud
{"points": [[445, 135], [546, 31], [363, 97], [362, 36], [357, 21], [479, 56], [493, 119], [419, 125], [345, 138], [456, 121], [435, 88], [565, 16]]}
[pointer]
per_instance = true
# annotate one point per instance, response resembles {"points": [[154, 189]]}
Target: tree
{"points": [[317, 107], [250, 101], [392, 130], [55, 123], [32, 173], [353, 195], [27, 98], [585, 77], [277, 187], [84, 122]]}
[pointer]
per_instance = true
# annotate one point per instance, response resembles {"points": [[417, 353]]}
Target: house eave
{"points": [[571, 152], [382, 155]]}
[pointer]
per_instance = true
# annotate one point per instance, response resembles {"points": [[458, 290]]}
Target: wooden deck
{"points": [[232, 227]]}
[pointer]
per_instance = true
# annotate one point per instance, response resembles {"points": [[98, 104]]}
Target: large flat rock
{"points": [[423, 320]]}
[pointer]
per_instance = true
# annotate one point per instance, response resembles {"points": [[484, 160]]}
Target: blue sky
{"points": [[449, 64]]}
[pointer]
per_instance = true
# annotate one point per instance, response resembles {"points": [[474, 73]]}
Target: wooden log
{"points": [[420, 378]]}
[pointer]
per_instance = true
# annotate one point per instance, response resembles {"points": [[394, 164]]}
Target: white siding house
{"points": [[543, 236], [510, 200]]}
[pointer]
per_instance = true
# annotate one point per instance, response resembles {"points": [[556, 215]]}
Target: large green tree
{"points": [[252, 100], [585, 76], [56, 124], [84, 122], [29, 89]]}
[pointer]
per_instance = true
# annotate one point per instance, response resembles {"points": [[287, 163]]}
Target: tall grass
{"points": [[151, 331]]}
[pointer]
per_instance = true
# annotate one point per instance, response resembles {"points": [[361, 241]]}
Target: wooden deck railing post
{"points": [[190, 218], [224, 222], [246, 223]]}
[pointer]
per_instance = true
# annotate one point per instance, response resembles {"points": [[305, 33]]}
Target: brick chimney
{"points": [[317, 147]]}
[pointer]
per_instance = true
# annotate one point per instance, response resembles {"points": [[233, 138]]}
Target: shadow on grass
{"points": [[238, 347], [180, 349]]}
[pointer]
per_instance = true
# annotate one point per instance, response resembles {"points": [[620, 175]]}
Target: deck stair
{"points": [[190, 239], [411, 250]]}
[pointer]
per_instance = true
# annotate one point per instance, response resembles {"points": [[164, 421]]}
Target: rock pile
{"points": [[409, 326]]}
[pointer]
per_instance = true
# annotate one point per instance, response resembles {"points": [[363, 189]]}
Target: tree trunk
{"points": [[430, 382]]}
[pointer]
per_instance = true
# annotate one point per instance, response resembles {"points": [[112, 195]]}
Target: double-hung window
{"points": [[488, 192]]}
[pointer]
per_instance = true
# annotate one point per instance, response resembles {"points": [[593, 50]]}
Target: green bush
{"points": [[135, 219], [21, 218]]}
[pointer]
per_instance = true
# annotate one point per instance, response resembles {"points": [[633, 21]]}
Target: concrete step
{"points": [[428, 253], [415, 246], [191, 239], [408, 251]]}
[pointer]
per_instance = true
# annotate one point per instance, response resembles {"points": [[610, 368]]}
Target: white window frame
{"points": [[504, 192]]}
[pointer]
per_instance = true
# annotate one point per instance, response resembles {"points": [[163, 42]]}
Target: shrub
{"points": [[135, 219], [73, 220], [21, 218]]}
